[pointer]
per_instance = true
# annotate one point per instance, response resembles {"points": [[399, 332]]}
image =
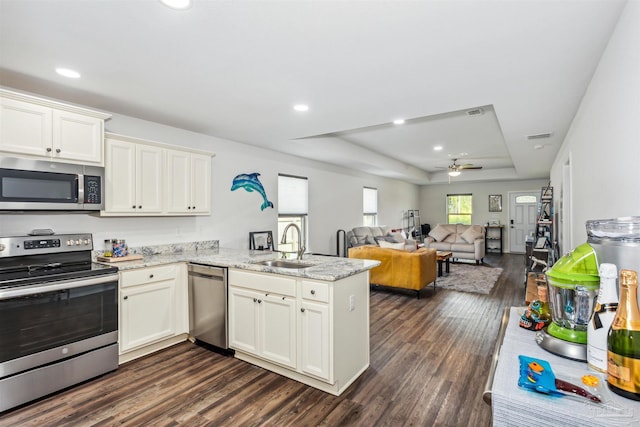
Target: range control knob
{"points": [[2, 247], [69, 242]]}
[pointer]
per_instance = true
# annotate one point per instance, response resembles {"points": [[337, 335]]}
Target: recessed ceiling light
{"points": [[301, 107], [437, 148], [72, 74], [398, 122], [177, 4]]}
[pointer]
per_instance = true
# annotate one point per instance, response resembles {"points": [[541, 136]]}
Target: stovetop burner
{"points": [[23, 278], [28, 260]]}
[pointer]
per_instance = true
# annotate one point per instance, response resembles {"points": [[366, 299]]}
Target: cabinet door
{"points": [[25, 128], [243, 320], [178, 182], [149, 182], [278, 329], [120, 176], [77, 137], [315, 344], [200, 183], [147, 314]]}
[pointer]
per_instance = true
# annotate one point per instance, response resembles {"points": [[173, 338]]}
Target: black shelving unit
{"points": [[493, 239], [541, 253]]}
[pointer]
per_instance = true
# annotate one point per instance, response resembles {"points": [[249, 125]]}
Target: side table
{"points": [[443, 257]]}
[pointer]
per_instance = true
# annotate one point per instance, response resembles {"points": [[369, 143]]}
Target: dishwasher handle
{"points": [[206, 271]]}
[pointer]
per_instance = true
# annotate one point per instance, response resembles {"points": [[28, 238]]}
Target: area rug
{"points": [[473, 278]]}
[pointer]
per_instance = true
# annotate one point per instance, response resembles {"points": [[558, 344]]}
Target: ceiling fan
{"points": [[455, 168]]}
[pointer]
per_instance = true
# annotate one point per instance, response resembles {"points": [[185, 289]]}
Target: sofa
{"points": [[463, 241], [359, 236], [412, 270]]}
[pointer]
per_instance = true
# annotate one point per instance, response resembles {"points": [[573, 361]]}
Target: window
{"points": [[293, 204], [369, 206], [459, 208], [526, 199]]}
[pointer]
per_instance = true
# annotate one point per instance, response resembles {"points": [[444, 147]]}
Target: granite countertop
{"points": [[326, 268]]}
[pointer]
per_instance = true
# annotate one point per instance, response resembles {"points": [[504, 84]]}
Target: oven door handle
{"points": [[56, 286]]}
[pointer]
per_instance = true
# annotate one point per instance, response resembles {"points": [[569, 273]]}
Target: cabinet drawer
{"points": [[147, 275], [268, 283], [315, 291]]}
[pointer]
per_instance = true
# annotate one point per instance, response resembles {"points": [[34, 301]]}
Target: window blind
{"points": [[293, 195], [369, 200]]}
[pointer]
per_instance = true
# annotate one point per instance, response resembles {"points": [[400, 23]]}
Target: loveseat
{"points": [[412, 270], [463, 241], [359, 236]]}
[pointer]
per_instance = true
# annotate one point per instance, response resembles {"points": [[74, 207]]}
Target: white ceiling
{"points": [[234, 69]]}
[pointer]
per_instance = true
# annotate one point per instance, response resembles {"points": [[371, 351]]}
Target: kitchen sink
{"points": [[281, 263]]}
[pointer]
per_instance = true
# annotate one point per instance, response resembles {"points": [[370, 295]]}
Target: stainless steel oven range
{"points": [[58, 316]]}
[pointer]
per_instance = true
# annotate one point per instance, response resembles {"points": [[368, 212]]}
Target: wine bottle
{"points": [[602, 317], [623, 343]]}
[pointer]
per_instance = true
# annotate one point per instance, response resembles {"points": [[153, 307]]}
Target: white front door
{"points": [[523, 207]]}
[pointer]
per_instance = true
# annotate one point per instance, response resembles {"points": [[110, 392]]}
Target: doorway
{"points": [[523, 207]]}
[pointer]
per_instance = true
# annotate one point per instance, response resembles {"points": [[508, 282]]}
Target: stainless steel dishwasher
{"points": [[208, 306]]}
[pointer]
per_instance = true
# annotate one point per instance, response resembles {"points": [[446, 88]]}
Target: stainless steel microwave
{"points": [[48, 186]]}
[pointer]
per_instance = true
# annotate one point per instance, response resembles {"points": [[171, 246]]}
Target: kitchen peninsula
{"points": [[308, 320]]}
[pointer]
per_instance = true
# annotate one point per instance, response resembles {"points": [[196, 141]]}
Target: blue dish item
{"points": [[537, 375]]}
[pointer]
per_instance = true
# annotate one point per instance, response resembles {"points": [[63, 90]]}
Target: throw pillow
{"points": [[384, 244], [397, 237], [410, 247], [384, 239], [439, 233], [472, 233]]}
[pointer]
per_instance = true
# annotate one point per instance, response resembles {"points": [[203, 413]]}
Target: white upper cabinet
{"points": [[37, 128], [188, 182], [149, 178], [133, 176]]}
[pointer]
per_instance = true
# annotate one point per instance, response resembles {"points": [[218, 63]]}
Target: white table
{"points": [[514, 406]]}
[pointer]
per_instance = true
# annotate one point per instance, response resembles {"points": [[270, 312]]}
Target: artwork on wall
{"points": [[251, 183], [261, 240], [495, 203]]}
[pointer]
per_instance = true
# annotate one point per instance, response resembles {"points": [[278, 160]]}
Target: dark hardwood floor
{"points": [[429, 364]]}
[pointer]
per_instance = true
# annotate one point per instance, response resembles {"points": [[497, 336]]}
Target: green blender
{"points": [[573, 284]]}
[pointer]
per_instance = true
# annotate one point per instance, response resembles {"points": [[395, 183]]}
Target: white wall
{"points": [[433, 200], [335, 198], [603, 142]]}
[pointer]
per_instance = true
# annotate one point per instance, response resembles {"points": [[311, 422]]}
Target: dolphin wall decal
{"points": [[250, 183]]}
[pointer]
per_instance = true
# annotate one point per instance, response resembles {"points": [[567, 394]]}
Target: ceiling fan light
{"points": [[454, 173]]}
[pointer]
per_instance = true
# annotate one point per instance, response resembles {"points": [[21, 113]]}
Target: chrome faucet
{"points": [[301, 248]]}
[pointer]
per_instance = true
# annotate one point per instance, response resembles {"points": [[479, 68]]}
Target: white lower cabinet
{"points": [[263, 324], [313, 331], [314, 335], [153, 308]]}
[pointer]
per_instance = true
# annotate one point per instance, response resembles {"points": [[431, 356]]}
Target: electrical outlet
{"points": [[352, 302]]}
